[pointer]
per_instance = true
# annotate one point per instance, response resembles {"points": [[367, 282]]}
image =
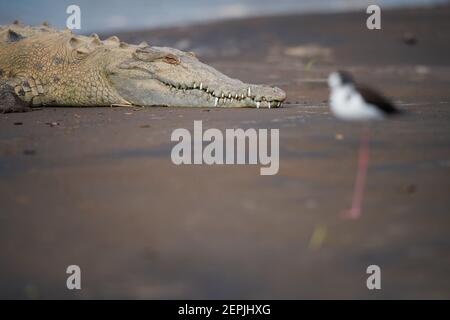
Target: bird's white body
{"points": [[346, 103]]}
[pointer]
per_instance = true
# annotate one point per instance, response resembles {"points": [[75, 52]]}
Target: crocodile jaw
{"points": [[169, 77], [230, 93]]}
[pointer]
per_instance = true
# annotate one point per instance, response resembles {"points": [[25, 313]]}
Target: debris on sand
{"points": [[410, 189], [29, 152], [409, 38], [318, 237], [422, 70], [52, 124], [183, 44], [310, 52]]}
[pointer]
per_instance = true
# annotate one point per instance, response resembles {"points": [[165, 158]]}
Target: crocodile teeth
{"points": [[249, 92], [221, 98]]}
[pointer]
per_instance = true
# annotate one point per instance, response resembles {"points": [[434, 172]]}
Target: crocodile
{"points": [[43, 66]]}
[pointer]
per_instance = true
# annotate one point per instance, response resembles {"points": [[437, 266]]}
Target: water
{"points": [[110, 15]]}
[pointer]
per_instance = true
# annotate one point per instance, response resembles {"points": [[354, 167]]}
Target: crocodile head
{"points": [[149, 76]]}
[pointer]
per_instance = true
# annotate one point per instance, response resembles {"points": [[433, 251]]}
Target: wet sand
{"points": [[96, 186]]}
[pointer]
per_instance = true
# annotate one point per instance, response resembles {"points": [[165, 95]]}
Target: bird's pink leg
{"points": [[363, 162]]}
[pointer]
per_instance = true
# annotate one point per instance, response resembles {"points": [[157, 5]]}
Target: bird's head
{"points": [[339, 78]]}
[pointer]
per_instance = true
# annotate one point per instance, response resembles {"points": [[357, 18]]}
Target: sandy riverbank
{"points": [[98, 189]]}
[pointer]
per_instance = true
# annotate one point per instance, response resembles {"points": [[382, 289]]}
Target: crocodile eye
{"points": [[172, 59], [149, 54]]}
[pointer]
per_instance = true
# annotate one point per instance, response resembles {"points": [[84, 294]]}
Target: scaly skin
{"points": [[44, 69], [50, 67]]}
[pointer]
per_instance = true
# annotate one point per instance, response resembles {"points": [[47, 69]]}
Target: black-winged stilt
{"points": [[349, 101]]}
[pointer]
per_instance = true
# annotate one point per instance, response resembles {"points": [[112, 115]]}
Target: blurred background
{"points": [[96, 186], [102, 15]]}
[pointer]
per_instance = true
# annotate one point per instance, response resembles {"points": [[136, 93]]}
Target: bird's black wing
{"points": [[374, 98]]}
